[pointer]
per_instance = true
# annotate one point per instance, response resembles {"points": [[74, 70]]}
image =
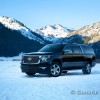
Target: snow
{"points": [[15, 85], [14, 58], [54, 32], [16, 25]]}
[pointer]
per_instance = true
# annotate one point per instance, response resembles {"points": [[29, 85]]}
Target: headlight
{"points": [[44, 58]]}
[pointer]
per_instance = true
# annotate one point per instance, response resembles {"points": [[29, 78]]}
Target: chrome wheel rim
{"points": [[55, 69], [88, 68]]}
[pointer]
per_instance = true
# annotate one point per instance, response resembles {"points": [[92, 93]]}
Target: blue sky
{"points": [[39, 13]]}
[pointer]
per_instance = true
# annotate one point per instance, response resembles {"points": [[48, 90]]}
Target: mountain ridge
{"points": [[90, 32], [54, 33], [18, 26], [13, 31]]}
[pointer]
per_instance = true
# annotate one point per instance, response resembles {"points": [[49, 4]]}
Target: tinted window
{"points": [[55, 48], [87, 49], [68, 48], [76, 49]]}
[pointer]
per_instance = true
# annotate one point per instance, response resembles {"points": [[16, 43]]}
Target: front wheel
{"points": [[87, 69], [55, 69]]}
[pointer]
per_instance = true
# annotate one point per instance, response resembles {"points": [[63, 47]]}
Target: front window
{"points": [[68, 49], [55, 48]]}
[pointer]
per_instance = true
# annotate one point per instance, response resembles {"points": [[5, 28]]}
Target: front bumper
{"points": [[36, 68], [93, 63]]}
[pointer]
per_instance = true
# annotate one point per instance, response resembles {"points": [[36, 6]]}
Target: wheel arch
{"points": [[57, 60], [89, 61]]}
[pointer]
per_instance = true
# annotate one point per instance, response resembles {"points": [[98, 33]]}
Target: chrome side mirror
{"points": [[67, 51]]}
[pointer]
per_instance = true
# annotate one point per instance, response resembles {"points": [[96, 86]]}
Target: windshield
{"points": [[55, 48]]}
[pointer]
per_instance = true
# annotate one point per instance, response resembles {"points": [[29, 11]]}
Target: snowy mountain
{"points": [[16, 25], [15, 38], [90, 33], [54, 33]]}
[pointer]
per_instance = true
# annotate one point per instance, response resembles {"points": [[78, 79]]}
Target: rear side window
{"points": [[87, 49], [76, 49]]}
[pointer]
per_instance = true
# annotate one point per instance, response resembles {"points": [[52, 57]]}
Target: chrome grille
{"points": [[31, 59]]}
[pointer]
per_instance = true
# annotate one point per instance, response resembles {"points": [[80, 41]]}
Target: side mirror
{"points": [[67, 51]]}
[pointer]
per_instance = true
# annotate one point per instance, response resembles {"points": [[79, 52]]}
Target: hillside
{"points": [[90, 35], [16, 38]]}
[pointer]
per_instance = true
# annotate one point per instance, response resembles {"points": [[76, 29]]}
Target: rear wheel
{"points": [[87, 69], [55, 69], [30, 74]]}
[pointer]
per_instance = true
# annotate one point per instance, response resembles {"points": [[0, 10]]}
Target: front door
{"points": [[67, 57]]}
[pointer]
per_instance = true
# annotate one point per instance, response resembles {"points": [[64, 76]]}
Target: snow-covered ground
{"points": [[15, 85], [15, 58]]}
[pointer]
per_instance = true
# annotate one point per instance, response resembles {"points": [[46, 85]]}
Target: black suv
{"points": [[53, 59]]}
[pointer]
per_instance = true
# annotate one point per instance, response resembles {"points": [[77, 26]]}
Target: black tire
{"points": [[87, 69], [55, 69], [30, 74]]}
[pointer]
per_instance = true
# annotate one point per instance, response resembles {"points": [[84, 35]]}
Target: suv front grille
{"points": [[31, 59]]}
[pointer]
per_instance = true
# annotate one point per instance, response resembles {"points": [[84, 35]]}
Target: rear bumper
{"points": [[36, 68]]}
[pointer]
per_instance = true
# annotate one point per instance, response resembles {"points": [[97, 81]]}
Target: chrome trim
{"points": [[31, 63], [29, 57], [81, 49]]}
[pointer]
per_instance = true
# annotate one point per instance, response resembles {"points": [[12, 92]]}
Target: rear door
{"points": [[78, 59]]}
